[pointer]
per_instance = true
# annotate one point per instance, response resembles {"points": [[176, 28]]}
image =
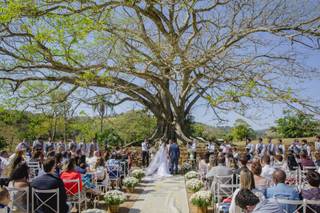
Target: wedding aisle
{"points": [[162, 196]]}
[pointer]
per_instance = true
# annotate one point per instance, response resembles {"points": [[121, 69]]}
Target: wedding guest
{"points": [[3, 163], [91, 161], [38, 144], [210, 147], [306, 147], [220, 170], [81, 165], [249, 202], [261, 183], [19, 179], [312, 193], [70, 173], [249, 146], [145, 153], [246, 182], [305, 160], [270, 148], [93, 146], [59, 163], [291, 161], [194, 148], [280, 149], [100, 171], [243, 159], [317, 157], [49, 146], [279, 162], [260, 148], [295, 147], [225, 147], [203, 166], [267, 169], [317, 144], [282, 190], [4, 200], [47, 181]]}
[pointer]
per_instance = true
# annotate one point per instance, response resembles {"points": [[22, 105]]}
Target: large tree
{"points": [[165, 55]]}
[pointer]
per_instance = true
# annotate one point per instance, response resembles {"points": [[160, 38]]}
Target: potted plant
{"points": [[114, 198], [201, 200], [130, 183], [191, 175], [138, 173], [194, 185]]}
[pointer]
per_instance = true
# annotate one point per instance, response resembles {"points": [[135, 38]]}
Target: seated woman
{"points": [[280, 163], [246, 182], [261, 183], [312, 193], [4, 200], [100, 171], [19, 180], [70, 173], [203, 166], [291, 161], [82, 167]]}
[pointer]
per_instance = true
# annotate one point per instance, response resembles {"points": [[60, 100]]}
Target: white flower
{"points": [[201, 198], [138, 173], [94, 211], [114, 197], [130, 181], [194, 184], [191, 174]]}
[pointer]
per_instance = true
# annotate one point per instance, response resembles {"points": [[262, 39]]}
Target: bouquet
{"points": [[194, 185], [191, 174], [201, 198], [138, 173], [130, 182], [114, 197], [94, 211]]}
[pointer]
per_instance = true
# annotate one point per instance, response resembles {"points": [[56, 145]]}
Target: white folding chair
{"points": [[77, 197], [114, 172], [286, 204], [311, 206], [19, 198], [217, 182], [41, 199]]}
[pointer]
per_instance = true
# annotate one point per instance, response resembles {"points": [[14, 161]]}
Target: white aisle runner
{"points": [[167, 195]]}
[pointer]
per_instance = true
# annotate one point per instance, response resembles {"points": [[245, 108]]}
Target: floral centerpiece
{"points": [[138, 173], [194, 185], [114, 198], [130, 183], [191, 175], [94, 211], [201, 199]]}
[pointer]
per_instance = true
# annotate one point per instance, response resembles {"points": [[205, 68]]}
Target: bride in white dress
{"points": [[159, 165]]}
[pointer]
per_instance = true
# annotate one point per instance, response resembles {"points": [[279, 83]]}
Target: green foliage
{"points": [[3, 143], [242, 130], [294, 125], [109, 135]]}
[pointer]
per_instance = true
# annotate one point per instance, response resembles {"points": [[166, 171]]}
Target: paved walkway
{"points": [[162, 196]]}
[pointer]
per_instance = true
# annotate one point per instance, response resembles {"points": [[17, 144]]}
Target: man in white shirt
{"points": [[271, 147], [317, 144], [210, 147], [305, 147], [281, 150], [145, 153], [260, 148], [249, 146], [267, 169], [194, 148]]}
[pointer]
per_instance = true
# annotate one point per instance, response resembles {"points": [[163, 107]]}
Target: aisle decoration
{"points": [[114, 198], [194, 185], [186, 167], [201, 199], [94, 211], [191, 175], [130, 183], [138, 173]]}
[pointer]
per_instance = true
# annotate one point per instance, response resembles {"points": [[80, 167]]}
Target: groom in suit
{"points": [[174, 154]]}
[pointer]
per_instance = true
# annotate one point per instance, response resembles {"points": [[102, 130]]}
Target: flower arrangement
{"points": [[201, 198], [114, 197], [138, 173], [194, 184], [94, 211], [191, 175], [130, 182]]}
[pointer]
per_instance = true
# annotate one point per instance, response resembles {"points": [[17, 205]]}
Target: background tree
{"points": [[166, 55], [242, 130], [294, 125]]}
